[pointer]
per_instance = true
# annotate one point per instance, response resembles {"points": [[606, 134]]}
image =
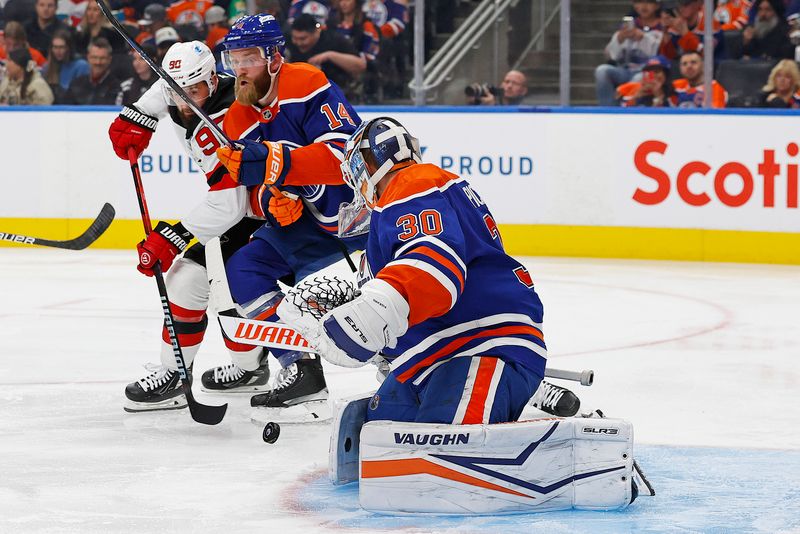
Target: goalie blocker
{"points": [[531, 466]]}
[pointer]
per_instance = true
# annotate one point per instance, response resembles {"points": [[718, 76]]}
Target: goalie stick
{"points": [[208, 415], [95, 230], [316, 297]]}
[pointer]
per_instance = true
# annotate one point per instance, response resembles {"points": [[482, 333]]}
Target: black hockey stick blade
{"points": [[206, 414], [95, 230]]}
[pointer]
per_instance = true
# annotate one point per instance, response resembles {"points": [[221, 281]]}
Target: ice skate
{"points": [[555, 400], [159, 390], [231, 378], [299, 395]]}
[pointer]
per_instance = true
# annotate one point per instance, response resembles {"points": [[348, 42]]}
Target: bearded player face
{"points": [[252, 74]]}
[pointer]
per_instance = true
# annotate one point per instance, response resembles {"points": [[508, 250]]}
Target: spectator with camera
{"points": [[768, 37], [654, 90], [629, 48], [100, 86], [62, 65], [689, 90], [513, 91], [684, 26], [22, 84], [783, 86]]}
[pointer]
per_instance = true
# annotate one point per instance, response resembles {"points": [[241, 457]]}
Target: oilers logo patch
{"points": [[374, 401]]}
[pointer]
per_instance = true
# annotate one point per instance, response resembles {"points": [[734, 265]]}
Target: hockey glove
{"points": [[162, 245], [131, 129], [352, 334], [256, 163], [285, 209]]}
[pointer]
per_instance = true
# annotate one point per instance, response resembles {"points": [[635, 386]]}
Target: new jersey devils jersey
{"points": [[434, 240]]}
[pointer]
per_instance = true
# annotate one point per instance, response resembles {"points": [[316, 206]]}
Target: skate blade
{"points": [[243, 389], [175, 403], [306, 412]]}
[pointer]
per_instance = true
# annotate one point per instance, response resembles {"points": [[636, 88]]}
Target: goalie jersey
{"points": [[312, 117], [434, 240]]}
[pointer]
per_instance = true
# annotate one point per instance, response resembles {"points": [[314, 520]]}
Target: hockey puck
{"points": [[271, 432]]}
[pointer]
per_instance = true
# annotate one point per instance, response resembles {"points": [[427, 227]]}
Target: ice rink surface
{"points": [[704, 359]]}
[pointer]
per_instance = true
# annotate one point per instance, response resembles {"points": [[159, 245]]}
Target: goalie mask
{"points": [[385, 144], [189, 64]]}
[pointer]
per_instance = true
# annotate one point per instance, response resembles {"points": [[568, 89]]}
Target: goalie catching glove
{"points": [[256, 163], [162, 245], [352, 334], [131, 129]]}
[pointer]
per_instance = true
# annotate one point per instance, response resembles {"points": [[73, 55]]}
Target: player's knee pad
{"points": [[541, 465], [187, 285]]}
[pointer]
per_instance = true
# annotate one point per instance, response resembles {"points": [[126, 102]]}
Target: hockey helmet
{"points": [[255, 31], [389, 144], [188, 64]]}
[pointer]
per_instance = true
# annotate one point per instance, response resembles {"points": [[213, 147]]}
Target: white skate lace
{"points": [[228, 373], [547, 395], [159, 375], [285, 377]]}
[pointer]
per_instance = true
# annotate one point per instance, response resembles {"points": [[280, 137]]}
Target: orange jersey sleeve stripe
{"points": [[458, 343], [299, 80], [415, 179], [239, 119], [480, 392], [314, 164], [426, 297], [420, 466], [429, 252]]}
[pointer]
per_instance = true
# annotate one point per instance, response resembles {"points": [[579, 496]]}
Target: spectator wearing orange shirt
{"points": [[16, 38], [684, 25], [154, 18], [655, 89], [217, 25], [188, 12], [732, 14], [689, 89]]}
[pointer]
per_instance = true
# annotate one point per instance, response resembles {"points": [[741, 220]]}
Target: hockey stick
{"points": [[95, 230], [208, 415]]}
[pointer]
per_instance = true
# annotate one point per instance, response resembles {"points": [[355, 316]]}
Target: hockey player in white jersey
{"points": [[222, 213]]}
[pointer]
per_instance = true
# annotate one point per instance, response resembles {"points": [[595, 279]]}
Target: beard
{"points": [[762, 27], [250, 93]]}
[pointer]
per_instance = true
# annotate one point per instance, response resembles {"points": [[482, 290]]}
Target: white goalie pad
{"points": [[348, 418], [531, 466]]}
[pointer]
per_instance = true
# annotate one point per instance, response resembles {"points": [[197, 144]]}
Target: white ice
{"points": [[694, 354]]}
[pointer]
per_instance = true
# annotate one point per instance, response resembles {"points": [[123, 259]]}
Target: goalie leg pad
{"points": [[349, 415], [531, 466]]}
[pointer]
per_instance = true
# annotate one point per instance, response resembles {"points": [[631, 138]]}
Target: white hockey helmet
{"points": [[190, 63]]}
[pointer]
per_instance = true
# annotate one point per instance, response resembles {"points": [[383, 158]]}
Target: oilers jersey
{"points": [[435, 241], [226, 202], [312, 117]]}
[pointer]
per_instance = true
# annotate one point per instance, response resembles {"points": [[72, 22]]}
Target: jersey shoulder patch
{"points": [[299, 82], [415, 180]]}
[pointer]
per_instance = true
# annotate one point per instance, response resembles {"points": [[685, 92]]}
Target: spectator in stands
{"points": [[41, 29], [732, 14], [629, 48], [94, 25], [62, 65], [100, 86], [327, 50], [391, 17], [155, 18], [217, 26], [783, 86], [135, 87], [15, 38], [349, 21], [165, 37], [21, 11], [689, 90], [684, 24], [319, 9], [188, 12], [655, 90], [513, 91], [23, 85], [768, 38]]}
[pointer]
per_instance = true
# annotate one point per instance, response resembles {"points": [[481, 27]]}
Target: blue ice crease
{"points": [[698, 489]]}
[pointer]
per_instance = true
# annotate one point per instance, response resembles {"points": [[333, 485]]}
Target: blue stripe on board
{"points": [[708, 490], [476, 109]]}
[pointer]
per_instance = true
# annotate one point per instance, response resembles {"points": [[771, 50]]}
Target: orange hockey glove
{"points": [[285, 209]]}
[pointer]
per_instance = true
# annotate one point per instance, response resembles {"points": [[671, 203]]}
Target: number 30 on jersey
{"points": [[428, 222]]}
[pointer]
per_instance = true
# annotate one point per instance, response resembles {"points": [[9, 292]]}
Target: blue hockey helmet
{"points": [[388, 143], [255, 31]]}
